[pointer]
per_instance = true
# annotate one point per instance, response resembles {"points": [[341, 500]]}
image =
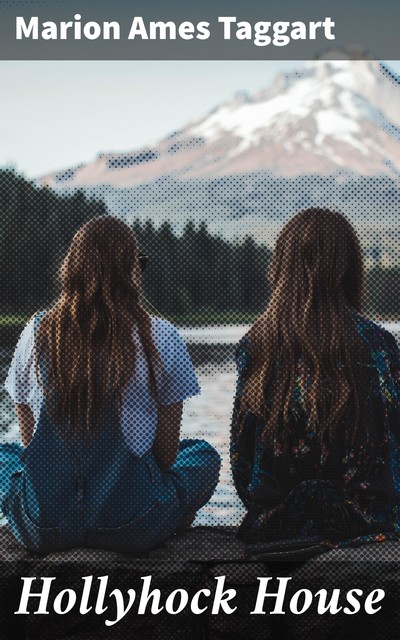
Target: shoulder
{"points": [[243, 354], [28, 333], [163, 329], [177, 377], [377, 337], [26, 340], [24, 350], [385, 358], [158, 324], [166, 337]]}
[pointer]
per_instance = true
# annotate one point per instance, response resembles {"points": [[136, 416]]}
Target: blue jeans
{"points": [[156, 502]]}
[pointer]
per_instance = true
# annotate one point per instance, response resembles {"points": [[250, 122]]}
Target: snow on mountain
{"points": [[329, 115]]}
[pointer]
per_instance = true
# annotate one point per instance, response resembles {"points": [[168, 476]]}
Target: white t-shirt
{"points": [[176, 381]]}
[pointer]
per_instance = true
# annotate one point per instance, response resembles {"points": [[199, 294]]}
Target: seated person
{"points": [[315, 437], [99, 386]]}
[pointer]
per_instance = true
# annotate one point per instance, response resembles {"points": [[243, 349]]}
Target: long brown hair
{"points": [[316, 277], [86, 337]]}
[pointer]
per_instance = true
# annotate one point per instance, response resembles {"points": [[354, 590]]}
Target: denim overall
{"points": [[95, 492]]}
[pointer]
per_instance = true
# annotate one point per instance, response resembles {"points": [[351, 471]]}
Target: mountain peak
{"points": [[327, 115]]}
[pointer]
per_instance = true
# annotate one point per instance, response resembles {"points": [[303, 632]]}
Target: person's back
{"points": [[316, 424], [99, 386]]}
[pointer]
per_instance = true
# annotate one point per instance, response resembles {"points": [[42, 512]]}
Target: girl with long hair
{"points": [[99, 386], [316, 422]]}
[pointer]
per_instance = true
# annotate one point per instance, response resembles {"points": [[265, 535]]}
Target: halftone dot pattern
{"points": [[209, 242]]}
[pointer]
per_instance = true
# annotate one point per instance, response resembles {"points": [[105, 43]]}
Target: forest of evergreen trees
{"points": [[197, 272], [36, 227], [194, 276]]}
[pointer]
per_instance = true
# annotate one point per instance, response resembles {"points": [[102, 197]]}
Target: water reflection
{"points": [[208, 416]]}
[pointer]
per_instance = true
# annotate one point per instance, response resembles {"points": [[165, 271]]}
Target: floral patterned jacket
{"points": [[299, 487]]}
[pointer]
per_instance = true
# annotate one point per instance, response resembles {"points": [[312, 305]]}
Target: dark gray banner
{"points": [[220, 30]]}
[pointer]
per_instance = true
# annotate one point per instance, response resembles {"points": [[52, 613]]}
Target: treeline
{"points": [[194, 275], [197, 274], [37, 225]]}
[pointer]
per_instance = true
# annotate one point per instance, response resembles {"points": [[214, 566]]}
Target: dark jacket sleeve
{"points": [[242, 435], [393, 406], [394, 359]]}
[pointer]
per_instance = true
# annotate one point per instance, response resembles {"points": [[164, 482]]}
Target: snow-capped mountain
{"points": [[328, 116]]}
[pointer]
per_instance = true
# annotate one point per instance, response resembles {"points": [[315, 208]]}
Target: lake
{"points": [[205, 416]]}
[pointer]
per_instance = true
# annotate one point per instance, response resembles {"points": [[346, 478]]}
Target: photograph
{"points": [[199, 339]]}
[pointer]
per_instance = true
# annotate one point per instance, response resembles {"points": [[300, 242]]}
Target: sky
{"points": [[57, 114]]}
